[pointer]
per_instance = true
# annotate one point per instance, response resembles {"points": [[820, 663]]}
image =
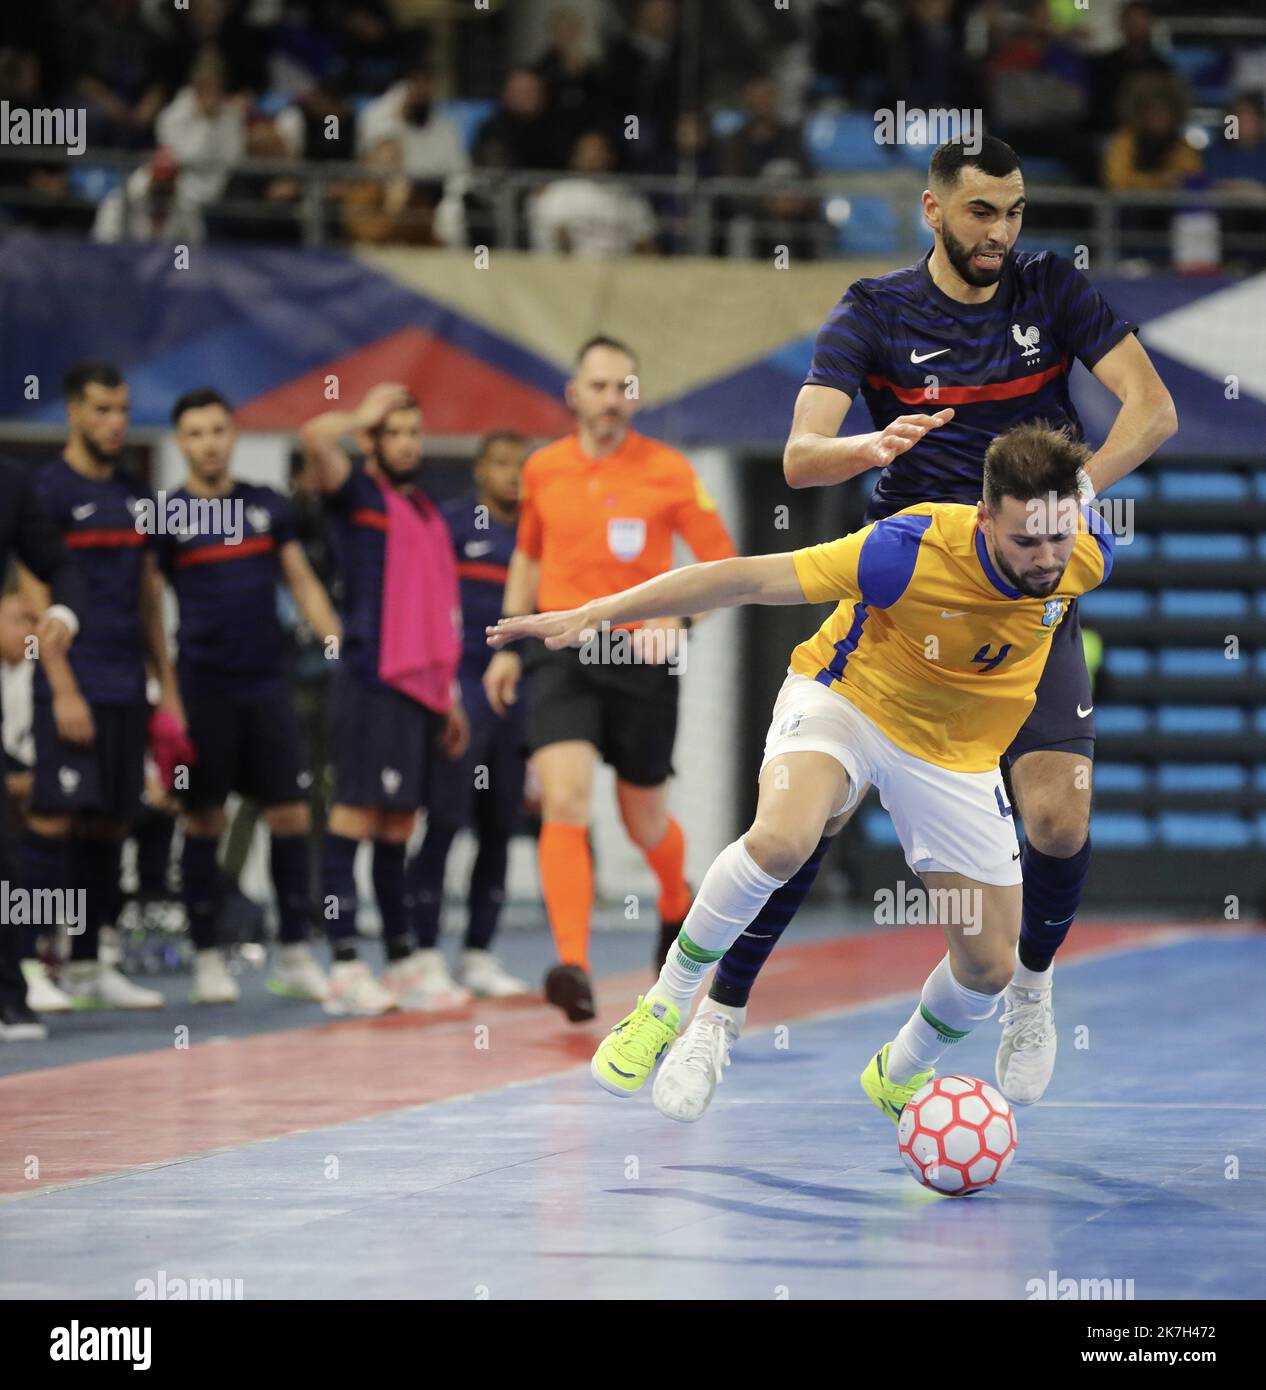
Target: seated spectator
{"points": [[643, 75], [521, 133], [278, 197], [1111, 73], [218, 24], [204, 128], [116, 61], [366, 36], [766, 147], [321, 125], [21, 85], [1239, 164], [692, 155], [575, 95], [1148, 151], [583, 217], [928, 63], [852, 53], [391, 211], [151, 206], [431, 144]]}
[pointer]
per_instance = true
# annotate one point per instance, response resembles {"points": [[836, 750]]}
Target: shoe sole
{"points": [[202, 999], [578, 1005], [99, 1005], [289, 992], [610, 1087]]}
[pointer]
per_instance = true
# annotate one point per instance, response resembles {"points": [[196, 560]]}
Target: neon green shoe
{"points": [[627, 1055], [887, 1095]]}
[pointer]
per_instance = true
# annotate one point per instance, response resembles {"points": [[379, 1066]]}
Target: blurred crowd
{"points": [[586, 88]]}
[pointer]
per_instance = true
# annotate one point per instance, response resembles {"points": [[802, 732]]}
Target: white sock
{"points": [[736, 1013], [1024, 978], [733, 891], [953, 1011]]}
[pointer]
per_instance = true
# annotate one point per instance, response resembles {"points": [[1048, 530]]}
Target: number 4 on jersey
{"points": [[989, 662]]}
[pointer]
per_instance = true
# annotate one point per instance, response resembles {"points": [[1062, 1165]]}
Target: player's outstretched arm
{"points": [[769, 579], [816, 454], [325, 461]]}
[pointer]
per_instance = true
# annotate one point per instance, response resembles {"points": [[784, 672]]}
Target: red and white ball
{"points": [[956, 1135]]}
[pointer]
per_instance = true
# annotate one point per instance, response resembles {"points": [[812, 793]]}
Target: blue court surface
{"points": [[1146, 1163]]}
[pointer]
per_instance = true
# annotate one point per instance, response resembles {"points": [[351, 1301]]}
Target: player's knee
{"points": [[565, 804], [1058, 830], [291, 819], [778, 850]]}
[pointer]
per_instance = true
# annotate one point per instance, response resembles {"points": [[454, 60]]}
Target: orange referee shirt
{"points": [[601, 525]]}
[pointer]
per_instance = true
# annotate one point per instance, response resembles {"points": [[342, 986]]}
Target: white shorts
{"points": [[947, 822]]}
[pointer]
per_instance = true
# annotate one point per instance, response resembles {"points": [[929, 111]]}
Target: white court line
{"points": [[1046, 1104]]}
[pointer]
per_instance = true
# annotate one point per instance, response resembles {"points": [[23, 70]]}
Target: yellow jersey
{"points": [[928, 640]]}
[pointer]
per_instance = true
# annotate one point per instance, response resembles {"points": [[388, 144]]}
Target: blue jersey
{"points": [[98, 519], [224, 567], [910, 349], [483, 561]]}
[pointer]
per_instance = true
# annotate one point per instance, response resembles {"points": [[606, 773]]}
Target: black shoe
{"points": [[19, 1024], [568, 987]]}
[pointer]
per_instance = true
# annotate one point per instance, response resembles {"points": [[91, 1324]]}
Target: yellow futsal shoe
{"points": [[627, 1055], [886, 1095]]}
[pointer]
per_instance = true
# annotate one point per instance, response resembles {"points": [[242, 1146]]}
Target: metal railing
{"points": [[694, 216]]}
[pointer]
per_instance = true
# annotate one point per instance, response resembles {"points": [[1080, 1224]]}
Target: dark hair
{"points": [[601, 340], [91, 372], [1033, 460], [498, 437], [193, 400], [994, 157]]}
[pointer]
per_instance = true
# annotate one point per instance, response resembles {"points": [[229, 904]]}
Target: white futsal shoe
{"points": [[93, 984], [486, 978], [42, 995], [1026, 1050], [297, 974], [212, 983], [353, 990], [421, 982], [690, 1073]]}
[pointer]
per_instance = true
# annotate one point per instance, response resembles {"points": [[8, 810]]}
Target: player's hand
{"points": [[569, 627], [903, 433], [379, 402], [455, 739], [53, 636], [73, 718], [501, 681]]}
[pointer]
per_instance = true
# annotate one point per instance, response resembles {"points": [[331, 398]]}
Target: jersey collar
{"points": [[991, 574], [1000, 301]]}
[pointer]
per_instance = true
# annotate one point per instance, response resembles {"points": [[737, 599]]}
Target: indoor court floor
{"points": [[470, 1155]]}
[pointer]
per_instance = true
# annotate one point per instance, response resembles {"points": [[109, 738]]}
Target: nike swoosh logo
{"points": [[618, 1072], [944, 614], [1082, 713], [82, 513], [1061, 921], [478, 547], [1016, 855], [915, 357]]}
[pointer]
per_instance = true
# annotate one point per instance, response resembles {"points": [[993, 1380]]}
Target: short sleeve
{"points": [[528, 537], [1094, 550], [846, 347], [284, 528], [828, 572], [1084, 323], [343, 499], [697, 519], [874, 564]]}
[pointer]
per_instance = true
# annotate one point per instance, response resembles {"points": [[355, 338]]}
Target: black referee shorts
{"points": [[628, 712]]}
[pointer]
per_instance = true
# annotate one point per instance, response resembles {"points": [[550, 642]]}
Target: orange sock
{"points": [[668, 859], [567, 883]]}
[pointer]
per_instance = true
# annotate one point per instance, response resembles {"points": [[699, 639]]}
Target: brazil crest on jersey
{"points": [[928, 640]]}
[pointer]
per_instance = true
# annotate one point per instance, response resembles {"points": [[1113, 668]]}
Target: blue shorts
{"points": [[247, 741], [484, 787], [383, 745], [1061, 719], [105, 779]]}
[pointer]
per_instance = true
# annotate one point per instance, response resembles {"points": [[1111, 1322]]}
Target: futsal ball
{"points": [[956, 1135]]}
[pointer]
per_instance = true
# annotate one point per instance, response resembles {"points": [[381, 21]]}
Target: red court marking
{"points": [[92, 1119]]}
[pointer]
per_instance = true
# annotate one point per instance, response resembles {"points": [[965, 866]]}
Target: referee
{"points": [[598, 513]]}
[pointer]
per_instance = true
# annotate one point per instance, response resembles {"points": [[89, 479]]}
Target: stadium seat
{"points": [[1201, 720], [1208, 663], [92, 181], [844, 143], [1128, 662], [272, 104], [1259, 720], [1122, 830], [726, 120], [878, 829], [1202, 777], [1259, 777], [1138, 484], [1207, 830], [916, 156], [1229, 548], [1205, 70], [1121, 777], [869, 224], [1116, 603], [1204, 603], [1139, 546], [1176, 486], [1123, 719], [468, 115]]}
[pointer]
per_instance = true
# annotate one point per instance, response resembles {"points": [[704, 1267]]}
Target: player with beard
{"points": [[383, 740], [91, 714], [983, 336], [224, 567]]}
